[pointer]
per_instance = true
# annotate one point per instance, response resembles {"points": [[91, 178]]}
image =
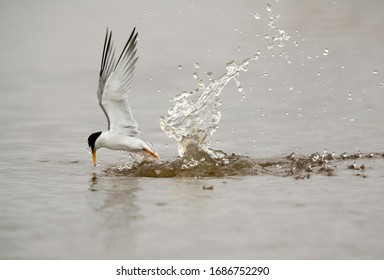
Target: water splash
{"points": [[191, 123], [199, 164]]}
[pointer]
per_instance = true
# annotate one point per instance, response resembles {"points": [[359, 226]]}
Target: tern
{"points": [[114, 83]]}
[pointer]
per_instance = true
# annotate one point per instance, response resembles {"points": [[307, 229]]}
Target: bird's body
{"points": [[114, 141], [114, 83]]}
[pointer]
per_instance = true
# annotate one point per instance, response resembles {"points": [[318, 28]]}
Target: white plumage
{"points": [[114, 83]]}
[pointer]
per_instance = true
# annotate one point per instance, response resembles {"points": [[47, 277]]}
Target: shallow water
{"points": [[321, 89]]}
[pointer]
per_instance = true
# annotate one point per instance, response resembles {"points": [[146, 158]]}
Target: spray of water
{"points": [[190, 122]]}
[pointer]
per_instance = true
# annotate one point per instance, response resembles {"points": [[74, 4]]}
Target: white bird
{"points": [[114, 83]]}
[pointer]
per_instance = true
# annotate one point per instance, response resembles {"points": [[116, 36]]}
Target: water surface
{"points": [[320, 89]]}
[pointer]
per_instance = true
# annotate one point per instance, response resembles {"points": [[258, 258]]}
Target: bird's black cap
{"points": [[92, 140]]}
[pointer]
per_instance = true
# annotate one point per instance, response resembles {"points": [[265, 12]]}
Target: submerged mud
{"points": [[197, 164]]}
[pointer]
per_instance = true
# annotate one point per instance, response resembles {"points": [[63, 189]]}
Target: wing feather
{"points": [[114, 83]]}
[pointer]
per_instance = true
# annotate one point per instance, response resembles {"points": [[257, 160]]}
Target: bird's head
{"points": [[92, 139]]}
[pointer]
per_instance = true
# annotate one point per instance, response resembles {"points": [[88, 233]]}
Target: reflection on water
{"points": [[317, 83], [93, 182], [113, 209]]}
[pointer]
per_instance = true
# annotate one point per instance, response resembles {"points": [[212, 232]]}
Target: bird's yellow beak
{"points": [[94, 157]]}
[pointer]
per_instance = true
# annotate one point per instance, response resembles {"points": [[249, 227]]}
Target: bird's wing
{"points": [[114, 83]]}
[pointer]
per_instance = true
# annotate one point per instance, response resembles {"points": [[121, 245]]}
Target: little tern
{"points": [[114, 83]]}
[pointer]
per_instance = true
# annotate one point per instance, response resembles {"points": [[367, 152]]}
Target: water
{"points": [[191, 123], [315, 203]]}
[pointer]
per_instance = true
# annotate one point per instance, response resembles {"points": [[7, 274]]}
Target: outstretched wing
{"points": [[114, 83]]}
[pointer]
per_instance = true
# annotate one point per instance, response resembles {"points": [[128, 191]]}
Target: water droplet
{"points": [[200, 84], [180, 67], [235, 29], [269, 8], [382, 85], [240, 89], [309, 56], [210, 75], [159, 90], [257, 16], [375, 72], [182, 120], [325, 52], [196, 65], [349, 96], [352, 119]]}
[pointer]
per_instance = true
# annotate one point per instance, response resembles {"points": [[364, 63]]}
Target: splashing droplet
{"points": [[257, 16], [210, 76], [193, 122], [196, 65], [269, 8]]}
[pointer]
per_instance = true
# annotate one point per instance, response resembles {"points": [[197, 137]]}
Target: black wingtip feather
{"points": [[107, 45], [132, 37]]}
